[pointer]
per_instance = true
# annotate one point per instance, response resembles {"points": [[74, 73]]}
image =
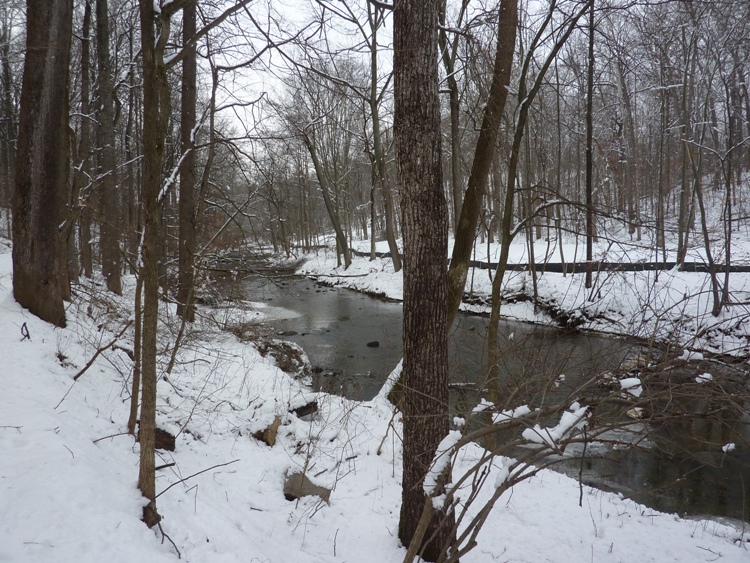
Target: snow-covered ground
{"points": [[68, 473]]}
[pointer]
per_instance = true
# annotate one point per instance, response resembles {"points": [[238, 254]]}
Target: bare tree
{"points": [[187, 212], [425, 229], [466, 225]]}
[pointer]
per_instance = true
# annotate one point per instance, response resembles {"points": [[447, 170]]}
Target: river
{"points": [[354, 341]]}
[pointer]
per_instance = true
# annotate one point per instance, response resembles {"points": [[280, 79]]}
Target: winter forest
{"points": [[374, 280]]}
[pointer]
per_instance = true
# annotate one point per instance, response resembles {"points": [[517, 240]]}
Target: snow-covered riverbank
{"points": [[665, 306], [68, 474]]}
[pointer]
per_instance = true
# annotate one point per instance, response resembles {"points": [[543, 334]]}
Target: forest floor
{"points": [[68, 470]]}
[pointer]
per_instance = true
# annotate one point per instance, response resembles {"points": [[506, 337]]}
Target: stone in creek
{"points": [[373, 344]]}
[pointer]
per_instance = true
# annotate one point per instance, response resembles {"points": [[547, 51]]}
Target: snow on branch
{"points": [[573, 419], [506, 416], [439, 464]]}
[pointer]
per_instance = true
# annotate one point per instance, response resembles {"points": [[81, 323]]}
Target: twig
{"points": [[390, 423], [164, 535], [66, 394], [100, 350], [196, 474], [112, 436], [128, 351], [172, 464]]}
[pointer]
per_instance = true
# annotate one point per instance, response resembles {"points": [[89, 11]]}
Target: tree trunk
{"points": [[81, 161], [377, 142], [483, 156], [425, 231], [83, 171], [448, 52], [154, 133], [8, 125], [107, 156], [188, 218], [42, 161], [590, 153], [325, 189]]}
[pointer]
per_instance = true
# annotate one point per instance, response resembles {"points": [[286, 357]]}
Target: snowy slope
{"points": [[68, 490]]}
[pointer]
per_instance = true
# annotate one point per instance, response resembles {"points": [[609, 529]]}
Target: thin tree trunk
{"points": [[448, 53], [107, 156], [590, 153], [377, 143], [325, 188], [154, 134], [483, 156], [8, 124]]}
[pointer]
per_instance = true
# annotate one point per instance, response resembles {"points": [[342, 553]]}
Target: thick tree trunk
{"points": [[107, 156], [425, 231], [188, 218], [42, 161]]}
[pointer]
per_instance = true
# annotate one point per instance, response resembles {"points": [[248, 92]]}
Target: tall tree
{"points": [[590, 152], [42, 161], [425, 231], [82, 168], [187, 215], [106, 158], [466, 224], [8, 112], [155, 116]]}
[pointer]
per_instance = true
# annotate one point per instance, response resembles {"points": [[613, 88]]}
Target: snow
{"points": [[632, 385], [440, 462], [507, 415], [573, 419], [68, 471]]}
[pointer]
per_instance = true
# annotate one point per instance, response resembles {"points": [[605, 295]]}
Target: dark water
{"points": [[335, 326]]}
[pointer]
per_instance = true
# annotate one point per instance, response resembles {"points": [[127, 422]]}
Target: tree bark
{"points": [[154, 133], [187, 214], [425, 231], [483, 156], [381, 177], [107, 156], [83, 171], [590, 152], [8, 125], [42, 161]]}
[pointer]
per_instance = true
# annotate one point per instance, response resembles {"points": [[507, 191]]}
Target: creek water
{"points": [[354, 342]]}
